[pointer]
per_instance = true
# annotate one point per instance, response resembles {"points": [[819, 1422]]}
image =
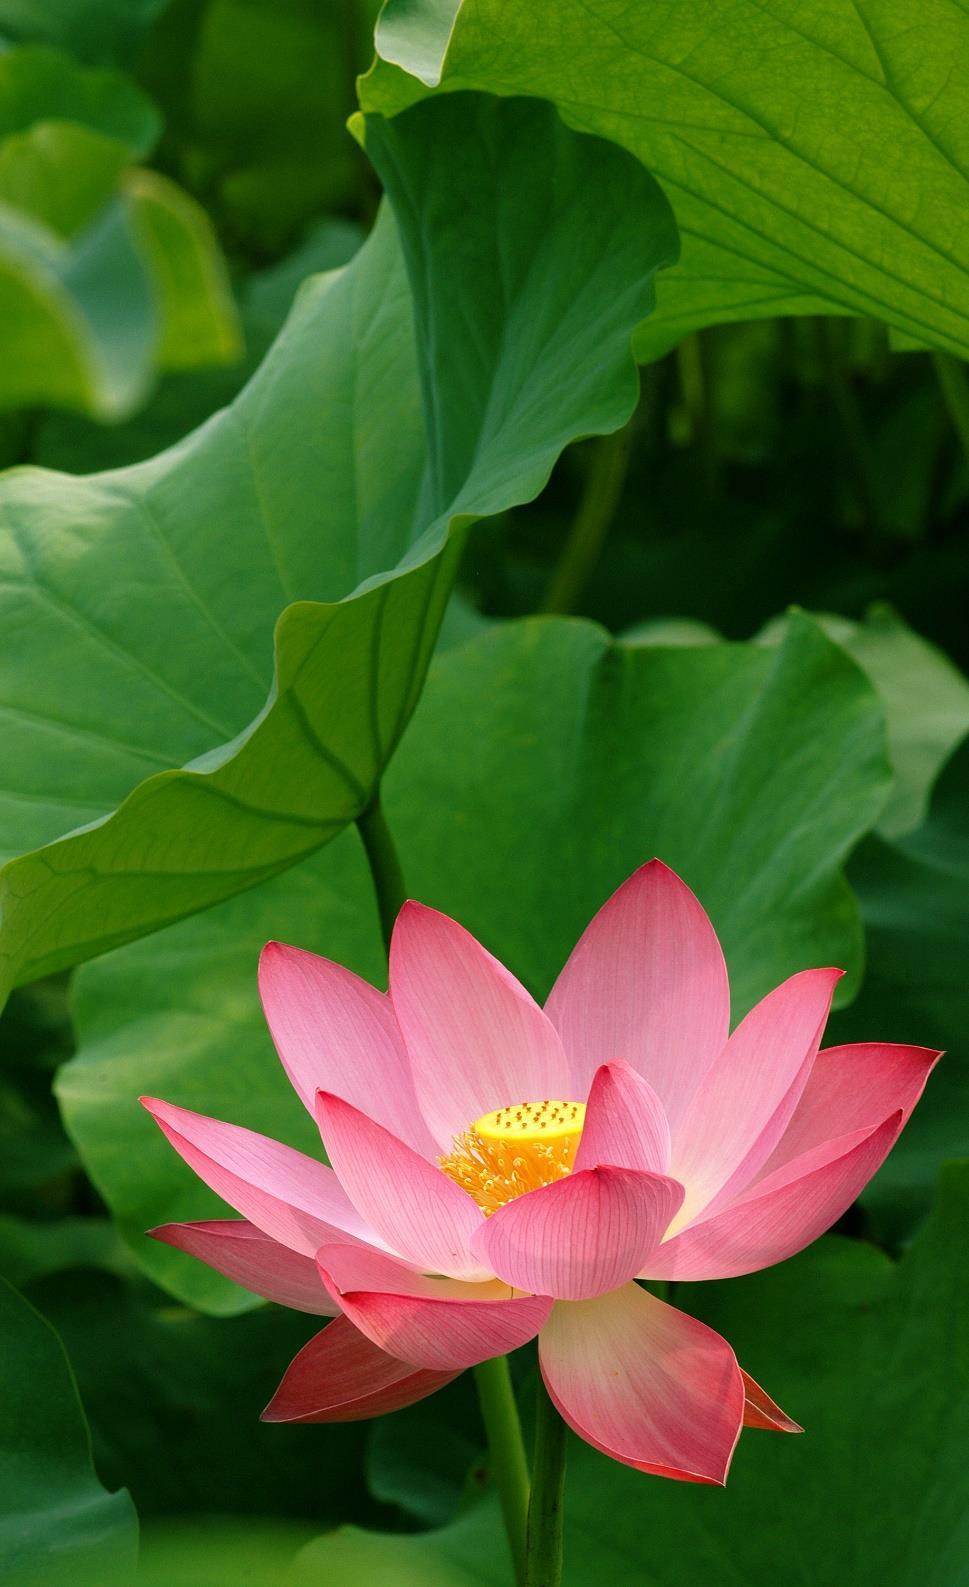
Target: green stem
{"points": [[850, 421], [586, 536], [694, 368], [951, 375], [509, 1467], [543, 1548], [385, 869]]}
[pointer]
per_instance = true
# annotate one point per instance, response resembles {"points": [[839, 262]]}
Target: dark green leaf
{"points": [[58, 1526]]}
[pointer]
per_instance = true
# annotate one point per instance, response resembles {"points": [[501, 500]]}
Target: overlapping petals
{"points": [[475, 1038], [291, 1197], [243, 1253], [701, 1155], [335, 1032], [414, 1208], [340, 1376], [438, 1323], [582, 1236]]}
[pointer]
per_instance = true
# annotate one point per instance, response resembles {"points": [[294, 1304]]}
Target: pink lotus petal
{"points": [[341, 1377], [646, 982], [438, 1324], [580, 1236], [740, 1112], [761, 1411], [243, 1253], [853, 1088], [645, 1383], [475, 1038], [418, 1212], [780, 1215], [287, 1195], [336, 1032], [625, 1125]]}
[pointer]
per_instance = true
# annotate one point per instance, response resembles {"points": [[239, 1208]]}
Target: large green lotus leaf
{"points": [[816, 157], [559, 761], [544, 764], [871, 1357], [157, 587], [58, 1525], [914, 896]]}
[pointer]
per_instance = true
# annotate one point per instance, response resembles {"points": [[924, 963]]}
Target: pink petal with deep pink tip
{"points": [[423, 1216], [780, 1215], [853, 1088], [746, 1101], [761, 1411], [475, 1038], [243, 1253], [579, 1236], [340, 1376], [645, 1383], [287, 1195], [336, 1032], [646, 982], [625, 1124], [439, 1324]]}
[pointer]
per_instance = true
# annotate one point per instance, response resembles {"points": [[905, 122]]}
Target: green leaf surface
{"points": [[544, 764], [40, 85], [159, 586], [560, 761], [925, 698], [173, 1400], [78, 321], [914, 895], [190, 286], [184, 400], [872, 1358], [105, 274], [816, 158], [94, 31], [58, 1525]]}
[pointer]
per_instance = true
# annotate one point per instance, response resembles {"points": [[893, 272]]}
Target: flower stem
{"points": [[385, 868], [583, 543], [543, 1548], [509, 1467], [951, 375], [506, 1448]]}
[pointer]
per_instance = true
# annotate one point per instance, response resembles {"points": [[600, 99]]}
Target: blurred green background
{"points": [[619, 672]]}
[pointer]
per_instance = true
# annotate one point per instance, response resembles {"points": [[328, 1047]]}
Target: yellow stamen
{"points": [[515, 1149]]}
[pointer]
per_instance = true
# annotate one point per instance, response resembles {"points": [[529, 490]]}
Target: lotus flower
{"points": [[501, 1172]]}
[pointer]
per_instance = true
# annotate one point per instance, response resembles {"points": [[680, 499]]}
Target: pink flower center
{"points": [[515, 1149]]}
